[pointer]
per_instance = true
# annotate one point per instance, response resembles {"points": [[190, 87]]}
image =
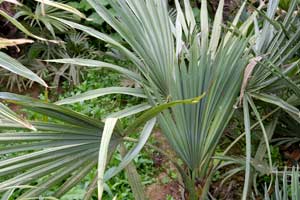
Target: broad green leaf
{"points": [[284, 75], [54, 127], [94, 17]]}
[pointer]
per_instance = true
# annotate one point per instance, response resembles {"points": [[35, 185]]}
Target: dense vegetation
{"points": [[149, 99]]}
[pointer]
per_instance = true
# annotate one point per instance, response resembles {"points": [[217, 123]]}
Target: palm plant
{"points": [[14, 66], [195, 66], [271, 77], [174, 62], [38, 15], [288, 188], [38, 21], [76, 46], [64, 149]]}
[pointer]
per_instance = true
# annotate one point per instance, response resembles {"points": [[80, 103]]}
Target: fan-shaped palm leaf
{"points": [[180, 61]]}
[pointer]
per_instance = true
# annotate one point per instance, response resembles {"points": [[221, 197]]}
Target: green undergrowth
{"points": [[99, 108]]}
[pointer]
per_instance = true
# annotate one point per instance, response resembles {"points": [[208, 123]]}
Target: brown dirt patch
{"points": [[165, 185], [159, 191]]}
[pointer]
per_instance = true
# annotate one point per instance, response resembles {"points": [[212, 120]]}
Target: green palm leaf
{"points": [[199, 66], [67, 149]]}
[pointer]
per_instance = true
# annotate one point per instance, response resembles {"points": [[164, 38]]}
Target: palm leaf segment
{"points": [[175, 61], [179, 61], [182, 61], [65, 151]]}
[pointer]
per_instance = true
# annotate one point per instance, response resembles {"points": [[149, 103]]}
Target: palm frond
{"points": [[288, 187], [61, 152]]}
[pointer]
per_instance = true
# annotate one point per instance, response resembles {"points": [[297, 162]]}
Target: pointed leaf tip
{"points": [[197, 99]]}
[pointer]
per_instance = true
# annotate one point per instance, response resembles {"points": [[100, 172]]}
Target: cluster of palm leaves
{"points": [[34, 16], [271, 78], [14, 66], [190, 74], [286, 188]]}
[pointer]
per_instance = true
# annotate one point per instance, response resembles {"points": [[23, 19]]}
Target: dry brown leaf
{"points": [[13, 42], [248, 71]]}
